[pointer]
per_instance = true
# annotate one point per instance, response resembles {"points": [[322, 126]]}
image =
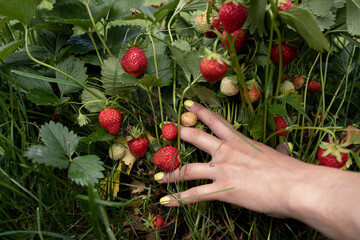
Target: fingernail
{"points": [[165, 200], [188, 103], [159, 176]]}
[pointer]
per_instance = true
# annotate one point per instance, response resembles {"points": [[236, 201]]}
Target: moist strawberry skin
{"points": [[232, 16], [134, 61]]}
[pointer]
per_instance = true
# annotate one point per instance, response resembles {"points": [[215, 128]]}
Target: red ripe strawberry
{"points": [[240, 40], [289, 53], [232, 16], [284, 5], [138, 146], [169, 131], [314, 86], [254, 91], [332, 155], [110, 119], [158, 221], [280, 124], [137, 143], [215, 26], [213, 67], [134, 61], [167, 158]]}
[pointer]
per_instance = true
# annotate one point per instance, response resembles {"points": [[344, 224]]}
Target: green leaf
{"points": [[121, 9], [18, 9], [50, 157], [150, 81], [86, 170], [207, 96], [58, 138], [278, 109], [165, 69], [9, 48], [119, 35], [44, 97], [256, 15], [256, 123], [294, 100], [353, 16], [100, 135], [42, 78], [165, 11], [82, 43], [92, 103], [306, 25], [194, 5], [182, 45], [319, 7], [74, 68], [74, 12], [112, 76], [54, 41], [327, 21], [22, 58]]}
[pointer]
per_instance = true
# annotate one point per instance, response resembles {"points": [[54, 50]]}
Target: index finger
{"points": [[222, 128]]}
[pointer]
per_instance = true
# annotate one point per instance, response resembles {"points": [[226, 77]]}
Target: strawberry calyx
{"points": [[215, 56], [252, 83], [134, 133], [333, 148]]}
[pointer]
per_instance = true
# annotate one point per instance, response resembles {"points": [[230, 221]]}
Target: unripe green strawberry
{"points": [[188, 119], [167, 158], [228, 87], [110, 119], [232, 16], [286, 86], [298, 82], [169, 132], [134, 61], [201, 23], [116, 151]]}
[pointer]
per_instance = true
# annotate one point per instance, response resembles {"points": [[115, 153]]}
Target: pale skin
{"points": [[266, 181]]}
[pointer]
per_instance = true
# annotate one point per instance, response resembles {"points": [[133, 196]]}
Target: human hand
{"points": [[258, 179]]}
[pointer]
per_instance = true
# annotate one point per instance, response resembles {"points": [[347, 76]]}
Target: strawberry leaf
{"points": [[74, 68], [256, 123], [115, 80], [58, 138], [121, 9], [207, 96], [50, 157], [294, 100], [45, 97], [86, 170], [150, 81], [278, 109], [95, 105], [319, 7], [306, 25], [18, 9], [353, 16], [256, 15], [9, 48], [60, 145], [353, 135]]}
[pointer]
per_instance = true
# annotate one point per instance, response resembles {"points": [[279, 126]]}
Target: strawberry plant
{"points": [[87, 87]]}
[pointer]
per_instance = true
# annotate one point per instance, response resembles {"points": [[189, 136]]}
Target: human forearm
{"points": [[328, 200]]}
